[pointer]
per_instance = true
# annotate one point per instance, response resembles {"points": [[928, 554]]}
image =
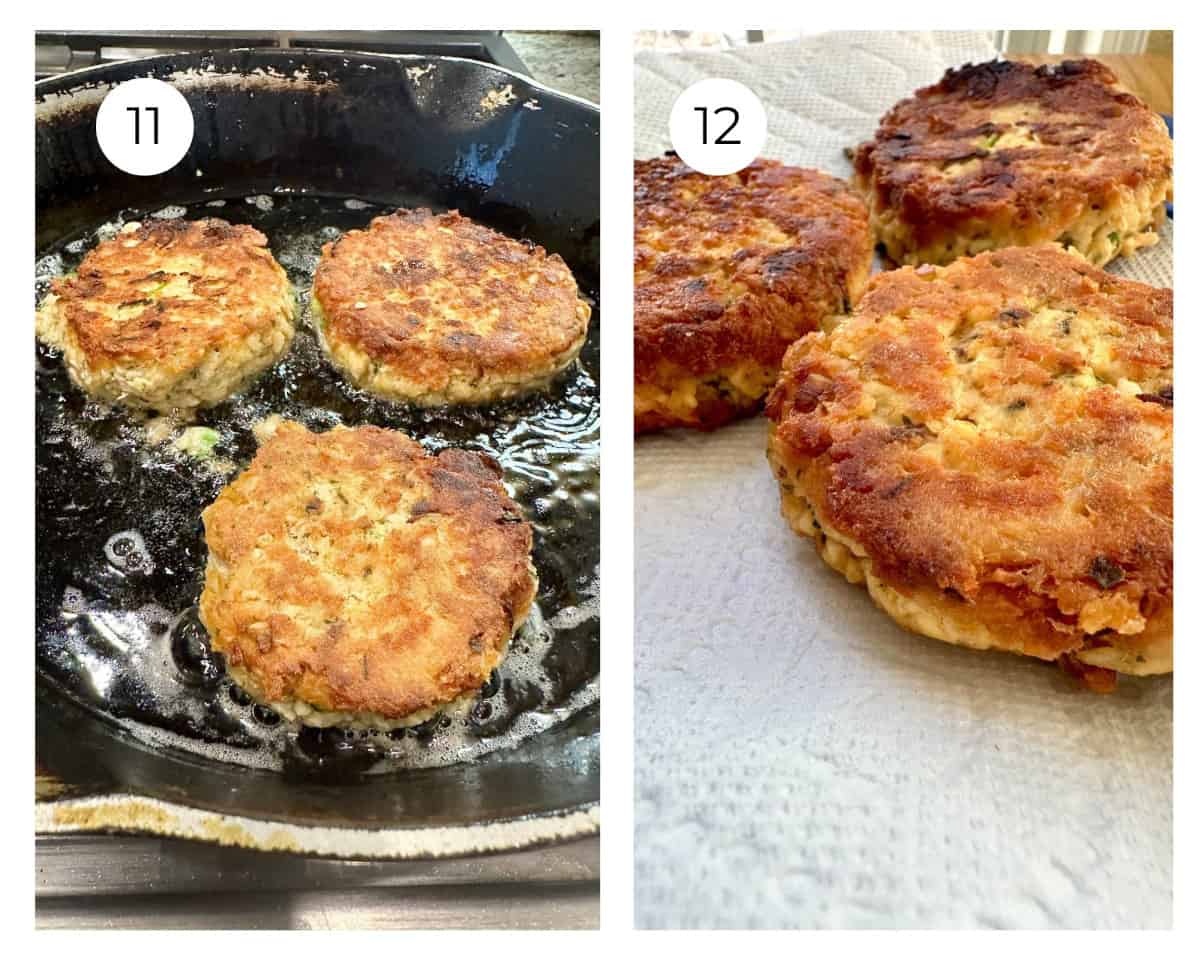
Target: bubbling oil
{"points": [[120, 559]]}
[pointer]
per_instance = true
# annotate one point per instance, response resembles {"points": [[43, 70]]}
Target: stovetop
{"points": [[142, 882], [75, 49]]}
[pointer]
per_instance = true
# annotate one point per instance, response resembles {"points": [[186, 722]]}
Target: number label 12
{"points": [[722, 138]]}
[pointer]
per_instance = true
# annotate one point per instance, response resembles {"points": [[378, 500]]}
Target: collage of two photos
{"points": [[317, 473]]}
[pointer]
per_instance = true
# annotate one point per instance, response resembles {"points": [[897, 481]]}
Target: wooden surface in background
{"points": [[1149, 76]]}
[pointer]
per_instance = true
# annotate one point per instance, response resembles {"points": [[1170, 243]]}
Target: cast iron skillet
{"points": [[382, 129]]}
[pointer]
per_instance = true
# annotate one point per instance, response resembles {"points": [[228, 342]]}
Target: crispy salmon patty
{"points": [[437, 309], [728, 271], [171, 315], [355, 580], [988, 447], [1006, 154]]}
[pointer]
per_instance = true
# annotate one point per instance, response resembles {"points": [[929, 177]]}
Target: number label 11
{"points": [[137, 122], [144, 126]]}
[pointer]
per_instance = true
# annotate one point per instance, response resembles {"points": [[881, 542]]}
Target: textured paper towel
{"points": [[801, 761]]}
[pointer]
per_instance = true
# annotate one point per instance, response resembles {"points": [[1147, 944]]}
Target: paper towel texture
{"points": [[802, 761]]}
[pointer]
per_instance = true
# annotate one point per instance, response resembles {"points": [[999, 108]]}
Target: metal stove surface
{"points": [[88, 882], [75, 49]]}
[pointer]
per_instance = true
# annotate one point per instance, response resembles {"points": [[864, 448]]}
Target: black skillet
{"points": [[309, 130]]}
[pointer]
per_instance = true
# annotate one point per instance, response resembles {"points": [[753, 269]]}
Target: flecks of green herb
{"points": [[198, 442]]}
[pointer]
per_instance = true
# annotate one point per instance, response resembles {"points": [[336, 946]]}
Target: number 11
{"points": [[137, 122]]}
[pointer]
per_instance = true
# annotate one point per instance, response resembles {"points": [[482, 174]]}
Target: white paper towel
{"points": [[802, 761]]}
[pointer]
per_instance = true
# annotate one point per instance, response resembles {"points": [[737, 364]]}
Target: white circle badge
{"points": [[718, 126], [144, 126]]}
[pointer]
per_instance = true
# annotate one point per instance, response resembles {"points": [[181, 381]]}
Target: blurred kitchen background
{"points": [[564, 60], [1141, 59]]}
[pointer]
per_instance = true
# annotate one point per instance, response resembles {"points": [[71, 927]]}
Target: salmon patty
{"points": [[355, 580], [1006, 154], [171, 315], [728, 271], [987, 446], [436, 309]]}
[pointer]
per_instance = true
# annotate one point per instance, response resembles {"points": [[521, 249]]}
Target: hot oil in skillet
{"points": [[121, 555]]}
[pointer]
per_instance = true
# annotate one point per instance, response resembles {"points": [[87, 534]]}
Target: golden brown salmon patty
{"points": [[727, 272], [988, 446], [355, 580], [171, 314], [438, 309], [1005, 154]]}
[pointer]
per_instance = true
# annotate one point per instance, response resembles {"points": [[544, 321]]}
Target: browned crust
{"points": [[1057, 507], [441, 298], [1094, 139], [113, 318], [357, 573], [730, 270]]}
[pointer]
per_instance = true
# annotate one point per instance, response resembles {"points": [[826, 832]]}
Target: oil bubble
{"points": [[198, 666], [127, 552]]}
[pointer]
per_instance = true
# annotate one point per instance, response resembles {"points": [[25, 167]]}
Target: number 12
{"points": [[137, 122], [703, 111]]}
